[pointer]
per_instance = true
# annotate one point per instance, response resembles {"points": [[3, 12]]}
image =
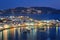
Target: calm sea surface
{"points": [[33, 34]]}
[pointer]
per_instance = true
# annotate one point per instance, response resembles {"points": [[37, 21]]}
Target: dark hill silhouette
{"points": [[43, 9], [40, 13]]}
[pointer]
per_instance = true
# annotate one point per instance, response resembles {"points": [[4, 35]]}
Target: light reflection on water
{"points": [[34, 34]]}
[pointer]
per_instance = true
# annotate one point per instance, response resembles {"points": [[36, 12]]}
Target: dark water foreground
{"points": [[33, 34]]}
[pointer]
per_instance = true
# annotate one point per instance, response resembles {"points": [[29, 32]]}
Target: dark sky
{"points": [[6, 4]]}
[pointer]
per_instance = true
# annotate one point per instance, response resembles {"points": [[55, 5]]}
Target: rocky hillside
{"points": [[30, 10]]}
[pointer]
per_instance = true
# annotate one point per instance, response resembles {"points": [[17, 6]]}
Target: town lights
{"points": [[6, 26], [1, 28], [27, 28], [39, 11], [40, 24], [30, 19]]}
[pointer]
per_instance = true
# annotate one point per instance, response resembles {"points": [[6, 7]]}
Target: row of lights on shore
{"points": [[35, 23]]}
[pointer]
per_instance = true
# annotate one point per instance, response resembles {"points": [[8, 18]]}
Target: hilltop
{"points": [[30, 10]]}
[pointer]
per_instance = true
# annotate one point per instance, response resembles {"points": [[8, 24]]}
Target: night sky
{"points": [[6, 4]]}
